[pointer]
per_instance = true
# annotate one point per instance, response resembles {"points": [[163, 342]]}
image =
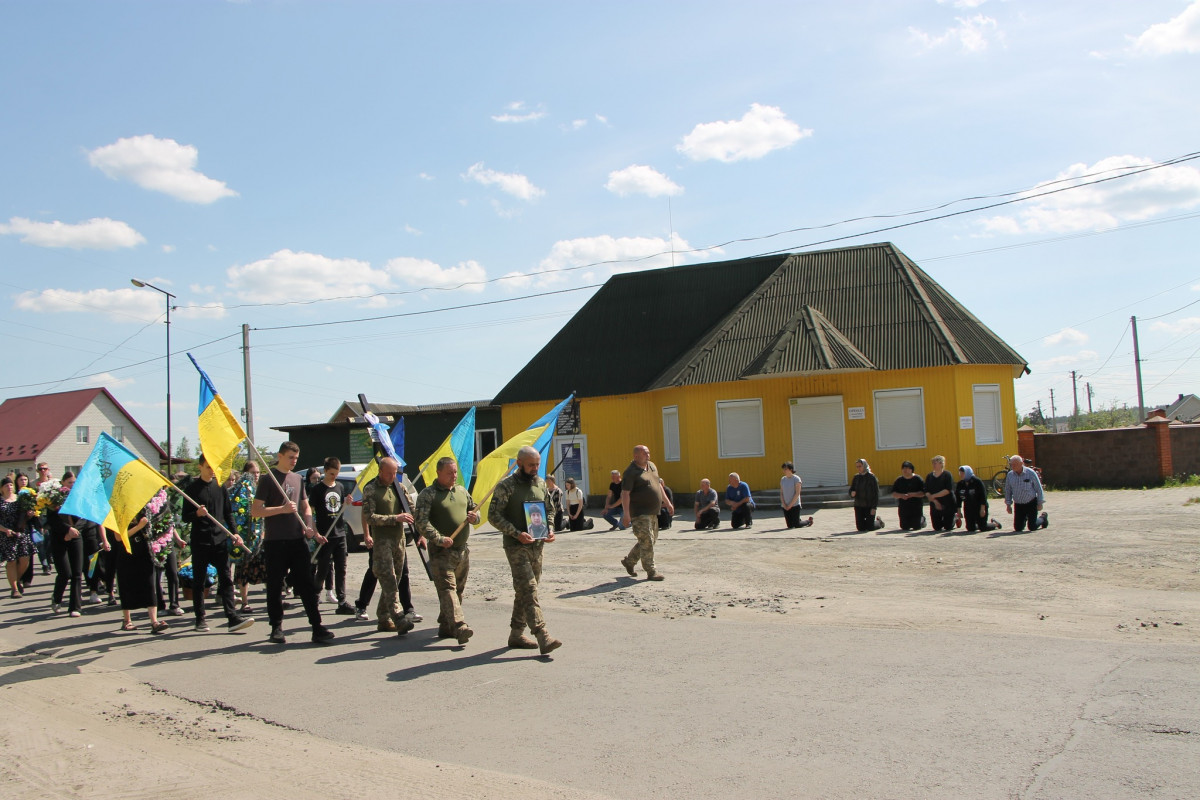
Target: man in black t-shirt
{"points": [[909, 491], [612, 503], [326, 498]]}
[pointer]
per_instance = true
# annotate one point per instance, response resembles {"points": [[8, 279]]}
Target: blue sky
{"points": [[259, 158]]}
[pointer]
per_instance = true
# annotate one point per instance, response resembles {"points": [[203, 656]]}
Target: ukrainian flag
{"points": [[220, 432], [496, 464], [112, 487], [459, 445]]}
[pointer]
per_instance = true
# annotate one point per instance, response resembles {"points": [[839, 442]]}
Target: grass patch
{"points": [[1191, 501], [1173, 481]]}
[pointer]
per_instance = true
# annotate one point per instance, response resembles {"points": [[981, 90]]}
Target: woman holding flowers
{"points": [[250, 564], [135, 574], [16, 546]]}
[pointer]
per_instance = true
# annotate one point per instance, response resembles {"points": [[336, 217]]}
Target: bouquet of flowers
{"points": [[160, 533], [247, 527], [50, 497], [27, 500], [185, 575]]}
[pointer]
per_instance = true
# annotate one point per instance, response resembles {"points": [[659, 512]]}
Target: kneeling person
{"points": [[441, 510]]}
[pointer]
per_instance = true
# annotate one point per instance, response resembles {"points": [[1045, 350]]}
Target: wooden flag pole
{"points": [[278, 485], [481, 503], [215, 521]]}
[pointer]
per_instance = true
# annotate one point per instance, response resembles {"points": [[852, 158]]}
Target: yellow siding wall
{"points": [[613, 425]]}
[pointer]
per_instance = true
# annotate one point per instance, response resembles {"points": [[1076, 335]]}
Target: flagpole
{"points": [[486, 497], [210, 517], [275, 480]]}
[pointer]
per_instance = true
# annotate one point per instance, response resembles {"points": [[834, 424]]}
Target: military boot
{"points": [[517, 639], [444, 632], [462, 633], [386, 625], [546, 642]]}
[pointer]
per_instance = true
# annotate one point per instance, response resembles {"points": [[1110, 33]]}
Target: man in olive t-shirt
{"points": [[641, 498]]}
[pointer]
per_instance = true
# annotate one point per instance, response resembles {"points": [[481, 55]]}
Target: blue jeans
{"points": [[613, 517]]}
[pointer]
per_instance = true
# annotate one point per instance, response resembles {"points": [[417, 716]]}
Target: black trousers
{"points": [[708, 519], [742, 515], [1025, 514], [333, 555], [289, 558], [91, 546], [218, 556], [864, 518], [576, 524], [171, 570], [942, 519], [910, 513], [791, 516], [68, 564], [370, 582]]}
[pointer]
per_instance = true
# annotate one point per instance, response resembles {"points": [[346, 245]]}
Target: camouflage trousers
{"points": [[387, 562], [526, 563], [645, 528], [449, 568]]}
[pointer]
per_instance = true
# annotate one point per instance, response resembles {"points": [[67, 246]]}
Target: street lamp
{"points": [[169, 297]]}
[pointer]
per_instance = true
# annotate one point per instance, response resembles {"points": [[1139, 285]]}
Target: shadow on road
{"points": [[622, 582]]}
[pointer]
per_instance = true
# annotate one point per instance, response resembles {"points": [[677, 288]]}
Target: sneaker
{"points": [[112, 601], [236, 624], [321, 634], [75, 614], [55, 608], [878, 523], [412, 616], [201, 626], [924, 522], [328, 597], [628, 565], [277, 636], [175, 611], [94, 599], [345, 610], [806, 523], [360, 614]]}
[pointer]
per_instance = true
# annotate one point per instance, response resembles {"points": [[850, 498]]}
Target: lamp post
{"points": [[169, 297]]}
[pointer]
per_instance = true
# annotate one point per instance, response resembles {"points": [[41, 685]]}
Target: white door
{"points": [[570, 460], [819, 440]]}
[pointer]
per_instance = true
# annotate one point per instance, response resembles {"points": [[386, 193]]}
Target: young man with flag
{"points": [[281, 503], [209, 545]]}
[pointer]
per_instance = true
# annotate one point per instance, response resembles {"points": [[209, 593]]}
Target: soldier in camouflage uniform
{"points": [[442, 509], [383, 512], [507, 515]]}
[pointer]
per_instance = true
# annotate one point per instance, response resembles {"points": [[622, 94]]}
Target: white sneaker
{"points": [[328, 597], [94, 599]]}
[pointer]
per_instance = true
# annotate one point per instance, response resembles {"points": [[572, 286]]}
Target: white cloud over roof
{"points": [[100, 233], [761, 130], [160, 165]]}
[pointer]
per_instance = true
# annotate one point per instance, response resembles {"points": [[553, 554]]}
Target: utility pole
{"points": [[1053, 413], [1075, 391], [1090, 393], [1040, 414], [246, 380], [1137, 367]]}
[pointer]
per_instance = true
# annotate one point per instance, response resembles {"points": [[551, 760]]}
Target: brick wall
{"points": [[1117, 457], [1185, 447]]}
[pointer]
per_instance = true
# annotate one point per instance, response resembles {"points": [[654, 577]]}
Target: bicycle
{"points": [[1000, 477]]}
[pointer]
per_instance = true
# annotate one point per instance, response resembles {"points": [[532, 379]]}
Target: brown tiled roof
{"points": [[29, 424], [854, 308]]}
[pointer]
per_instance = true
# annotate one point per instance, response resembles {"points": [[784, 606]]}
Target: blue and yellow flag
{"points": [[112, 487], [496, 464], [459, 445], [220, 432]]}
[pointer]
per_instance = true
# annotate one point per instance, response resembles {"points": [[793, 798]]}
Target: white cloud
{"points": [[603, 256], [574, 125], [971, 34], [1065, 361], [515, 112], [603, 120], [100, 233], [468, 275], [121, 304], [759, 131], [511, 183], [1178, 326], [168, 248], [1179, 35], [107, 380], [963, 3], [640, 179], [160, 165], [1068, 336], [425, 176], [286, 275], [1104, 205], [410, 230]]}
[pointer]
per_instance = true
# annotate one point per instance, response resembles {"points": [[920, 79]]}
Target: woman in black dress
{"points": [[135, 576], [16, 546], [970, 498]]}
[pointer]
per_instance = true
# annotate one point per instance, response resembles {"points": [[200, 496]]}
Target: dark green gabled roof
{"points": [[855, 308]]}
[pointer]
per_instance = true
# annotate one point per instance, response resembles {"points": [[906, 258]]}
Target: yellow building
{"points": [[816, 358]]}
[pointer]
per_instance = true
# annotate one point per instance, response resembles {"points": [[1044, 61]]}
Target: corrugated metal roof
{"points": [[867, 307]]}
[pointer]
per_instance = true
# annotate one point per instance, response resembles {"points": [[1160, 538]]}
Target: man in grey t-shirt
{"points": [[707, 507]]}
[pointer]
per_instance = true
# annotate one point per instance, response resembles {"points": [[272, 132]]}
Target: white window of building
{"points": [[989, 425], [740, 429], [81, 434], [899, 419], [670, 416], [118, 433]]}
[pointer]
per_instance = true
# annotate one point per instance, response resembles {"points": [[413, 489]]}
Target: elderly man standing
{"points": [[383, 512], [641, 498], [445, 513], [708, 512], [507, 515], [1023, 489]]}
